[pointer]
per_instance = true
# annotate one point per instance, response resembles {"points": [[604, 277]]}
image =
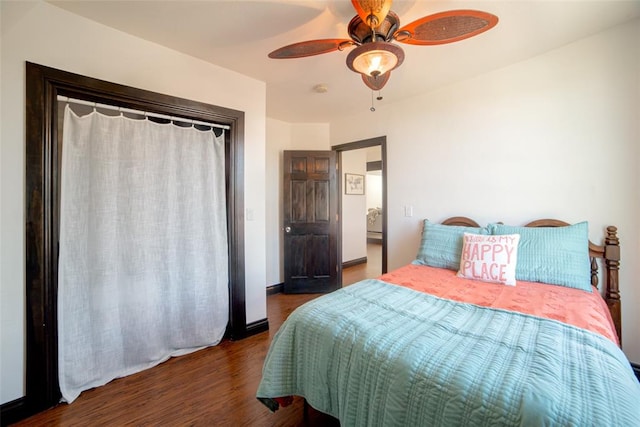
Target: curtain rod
{"points": [[142, 113]]}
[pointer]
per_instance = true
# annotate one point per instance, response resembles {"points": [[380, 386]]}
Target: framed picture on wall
{"points": [[353, 183]]}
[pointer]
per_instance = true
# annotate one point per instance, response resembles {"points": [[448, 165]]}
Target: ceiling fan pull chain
{"points": [[373, 109]]}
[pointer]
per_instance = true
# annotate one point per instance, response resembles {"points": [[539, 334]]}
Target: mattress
{"points": [[378, 353]]}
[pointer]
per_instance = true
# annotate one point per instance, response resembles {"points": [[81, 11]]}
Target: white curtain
{"points": [[143, 272]]}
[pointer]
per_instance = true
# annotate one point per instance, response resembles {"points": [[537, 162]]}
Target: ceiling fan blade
{"points": [[372, 12], [446, 27], [376, 83], [310, 48]]}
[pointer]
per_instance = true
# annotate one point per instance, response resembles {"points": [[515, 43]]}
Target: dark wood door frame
{"points": [[43, 85], [356, 145]]}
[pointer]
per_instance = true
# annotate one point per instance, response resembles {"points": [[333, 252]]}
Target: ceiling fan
{"points": [[376, 26]]}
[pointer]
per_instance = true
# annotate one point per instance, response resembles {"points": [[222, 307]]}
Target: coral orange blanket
{"points": [[586, 310]]}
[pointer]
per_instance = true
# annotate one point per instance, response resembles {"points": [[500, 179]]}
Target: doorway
{"points": [[43, 85], [363, 224]]}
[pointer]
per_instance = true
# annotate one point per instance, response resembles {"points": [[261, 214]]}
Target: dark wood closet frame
{"points": [[42, 186]]}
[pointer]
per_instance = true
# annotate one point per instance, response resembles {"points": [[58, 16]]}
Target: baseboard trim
{"points": [[353, 262], [275, 289], [257, 327], [636, 370], [14, 411]]}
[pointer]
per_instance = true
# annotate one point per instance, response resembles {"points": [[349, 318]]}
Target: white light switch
{"points": [[408, 211], [249, 214]]}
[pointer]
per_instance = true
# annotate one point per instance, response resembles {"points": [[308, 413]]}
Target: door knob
{"points": [[287, 229]]}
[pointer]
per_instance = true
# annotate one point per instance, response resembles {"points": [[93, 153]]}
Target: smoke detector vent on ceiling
{"points": [[320, 88]]}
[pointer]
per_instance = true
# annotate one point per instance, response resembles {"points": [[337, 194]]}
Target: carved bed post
{"points": [[612, 264], [594, 272]]}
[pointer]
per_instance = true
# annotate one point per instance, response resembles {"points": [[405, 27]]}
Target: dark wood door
{"points": [[310, 197]]}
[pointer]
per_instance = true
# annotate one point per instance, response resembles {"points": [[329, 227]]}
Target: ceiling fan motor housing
{"points": [[361, 33]]}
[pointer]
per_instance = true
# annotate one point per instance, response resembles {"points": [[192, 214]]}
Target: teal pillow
{"points": [[441, 245], [554, 255]]}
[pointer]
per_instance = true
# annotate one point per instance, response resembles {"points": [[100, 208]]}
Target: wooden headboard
{"points": [[609, 252]]}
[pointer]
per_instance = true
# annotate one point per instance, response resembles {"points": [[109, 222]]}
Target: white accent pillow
{"points": [[489, 258]]}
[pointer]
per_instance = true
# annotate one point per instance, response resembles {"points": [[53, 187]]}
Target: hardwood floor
{"points": [[371, 269], [214, 386]]}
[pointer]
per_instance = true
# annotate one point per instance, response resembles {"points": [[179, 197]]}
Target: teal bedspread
{"points": [[375, 354]]}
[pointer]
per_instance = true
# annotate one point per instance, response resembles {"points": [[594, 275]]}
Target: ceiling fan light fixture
{"points": [[376, 83], [375, 58], [374, 28]]}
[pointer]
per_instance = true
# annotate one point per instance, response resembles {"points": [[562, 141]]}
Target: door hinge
{"points": [[337, 217]]}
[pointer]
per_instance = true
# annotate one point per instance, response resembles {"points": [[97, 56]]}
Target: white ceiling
{"points": [[238, 35]]}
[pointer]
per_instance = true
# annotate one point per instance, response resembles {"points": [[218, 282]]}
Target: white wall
{"points": [[354, 209], [284, 136], [374, 190], [41, 33], [556, 136], [374, 179], [278, 140]]}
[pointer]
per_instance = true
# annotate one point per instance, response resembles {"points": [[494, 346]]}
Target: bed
{"points": [[374, 224], [495, 325]]}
